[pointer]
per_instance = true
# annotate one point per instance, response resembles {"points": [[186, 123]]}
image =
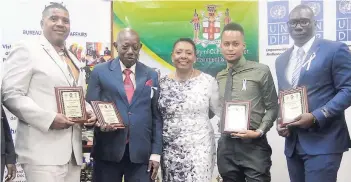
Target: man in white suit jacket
{"points": [[48, 144]]}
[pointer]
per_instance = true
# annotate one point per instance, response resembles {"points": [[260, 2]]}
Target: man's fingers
{"points": [[298, 118], [284, 133], [13, 174], [154, 173], [239, 135], [149, 167], [70, 123], [242, 132], [294, 124], [98, 124], [89, 124], [280, 129]]}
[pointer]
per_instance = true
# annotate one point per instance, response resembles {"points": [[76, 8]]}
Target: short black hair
{"points": [[53, 5], [233, 27], [188, 40]]}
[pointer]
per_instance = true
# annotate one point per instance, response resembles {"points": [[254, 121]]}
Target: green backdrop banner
{"points": [[161, 23]]}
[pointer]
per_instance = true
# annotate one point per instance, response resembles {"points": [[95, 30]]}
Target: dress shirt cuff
{"points": [[261, 132], [263, 128], [320, 116], [155, 157]]}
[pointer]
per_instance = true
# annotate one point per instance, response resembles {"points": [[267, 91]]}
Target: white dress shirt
{"points": [[293, 58], [132, 75], [153, 157]]}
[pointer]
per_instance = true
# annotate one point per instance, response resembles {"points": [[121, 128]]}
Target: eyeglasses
{"points": [[302, 22]]}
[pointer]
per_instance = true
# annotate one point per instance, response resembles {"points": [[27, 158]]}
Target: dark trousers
{"points": [[309, 168], [244, 160], [107, 171]]}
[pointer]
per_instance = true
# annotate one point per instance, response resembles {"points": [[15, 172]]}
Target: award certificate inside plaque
{"points": [[107, 113], [292, 104], [70, 102], [237, 116]]}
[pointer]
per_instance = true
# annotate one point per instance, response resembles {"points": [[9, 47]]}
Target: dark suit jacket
{"points": [[142, 116], [7, 146], [328, 83]]}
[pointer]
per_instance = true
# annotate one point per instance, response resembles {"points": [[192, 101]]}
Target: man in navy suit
{"points": [[315, 141], [135, 150]]}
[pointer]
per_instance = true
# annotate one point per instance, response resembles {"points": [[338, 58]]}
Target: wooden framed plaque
{"points": [[293, 103], [70, 102], [236, 116], [107, 113]]}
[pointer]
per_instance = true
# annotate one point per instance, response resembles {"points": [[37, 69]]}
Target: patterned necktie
{"points": [[297, 70], [73, 72], [128, 85]]}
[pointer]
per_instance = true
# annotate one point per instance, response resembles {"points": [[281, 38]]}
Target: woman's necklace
{"points": [[191, 75]]}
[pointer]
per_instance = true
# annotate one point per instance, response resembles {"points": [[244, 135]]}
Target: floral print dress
{"points": [[188, 136]]}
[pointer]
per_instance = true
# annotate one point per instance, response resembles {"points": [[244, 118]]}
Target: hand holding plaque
{"points": [[107, 114], [70, 102], [293, 103], [236, 116]]}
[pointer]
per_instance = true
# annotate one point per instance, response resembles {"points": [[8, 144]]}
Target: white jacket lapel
{"points": [[56, 58]]}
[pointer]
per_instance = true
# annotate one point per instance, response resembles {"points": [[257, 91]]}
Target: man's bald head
{"points": [[127, 32], [301, 24], [302, 8], [128, 46]]}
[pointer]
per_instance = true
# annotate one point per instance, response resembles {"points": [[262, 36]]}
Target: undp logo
{"points": [[343, 20], [345, 7], [278, 12], [277, 28]]}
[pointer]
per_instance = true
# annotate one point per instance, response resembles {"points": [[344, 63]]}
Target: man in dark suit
{"points": [[315, 141], [135, 150], [107, 52], [8, 155]]}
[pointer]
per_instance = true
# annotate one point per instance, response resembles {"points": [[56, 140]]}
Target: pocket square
{"points": [[149, 83], [152, 91]]}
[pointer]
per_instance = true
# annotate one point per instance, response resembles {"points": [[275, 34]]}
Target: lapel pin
{"points": [[244, 85], [308, 62]]}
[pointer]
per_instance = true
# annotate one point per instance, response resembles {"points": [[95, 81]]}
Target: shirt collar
{"points": [[238, 64], [307, 46], [132, 68]]}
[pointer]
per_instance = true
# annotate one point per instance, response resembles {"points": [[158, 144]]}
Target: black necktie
{"points": [[229, 85]]}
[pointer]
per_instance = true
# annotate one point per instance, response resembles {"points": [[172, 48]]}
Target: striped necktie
{"points": [[297, 70]]}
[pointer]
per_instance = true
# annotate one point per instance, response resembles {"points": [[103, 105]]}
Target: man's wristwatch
{"points": [[260, 131]]}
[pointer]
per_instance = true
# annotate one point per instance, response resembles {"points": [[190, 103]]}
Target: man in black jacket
{"points": [[8, 155]]}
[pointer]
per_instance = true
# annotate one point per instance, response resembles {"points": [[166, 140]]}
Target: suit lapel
{"points": [[49, 49], [285, 61], [284, 64], [140, 80], [115, 67], [313, 50]]}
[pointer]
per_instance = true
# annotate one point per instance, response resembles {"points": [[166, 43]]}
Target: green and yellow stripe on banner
{"points": [[160, 23]]}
